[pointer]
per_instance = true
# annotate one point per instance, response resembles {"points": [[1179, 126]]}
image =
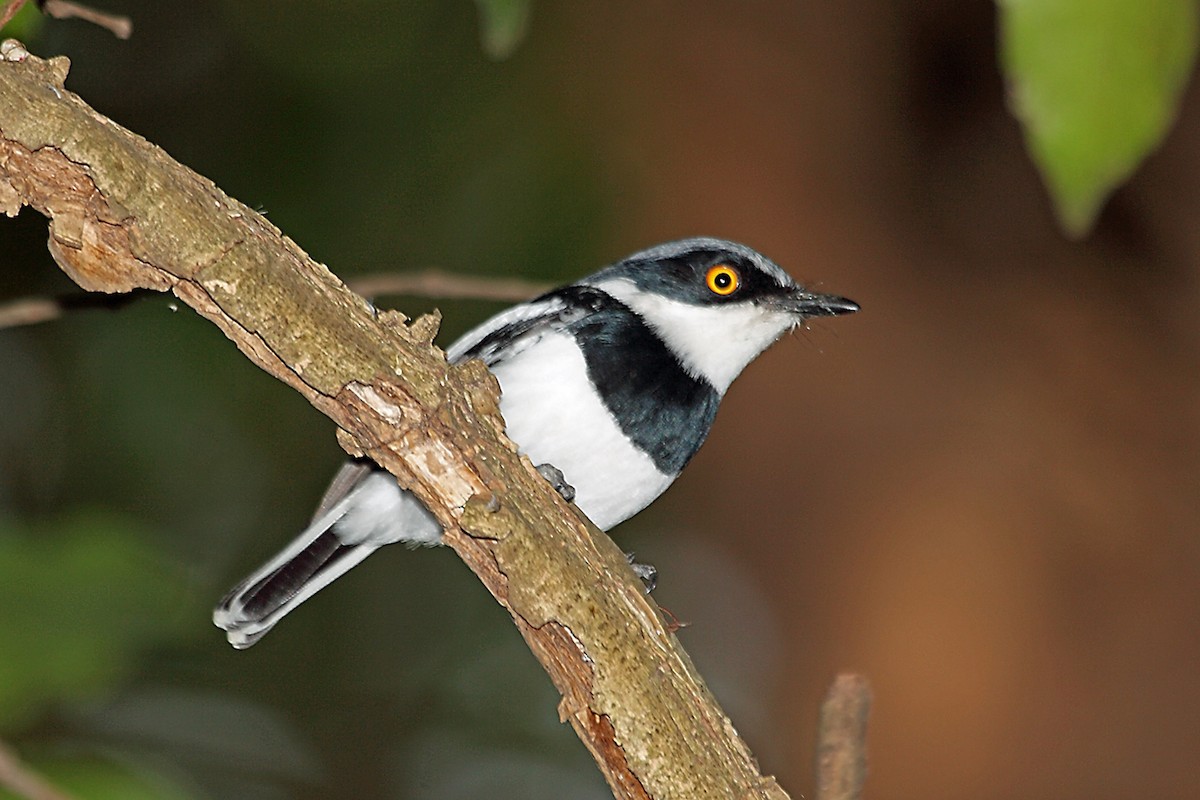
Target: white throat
{"points": [[712, 342]]}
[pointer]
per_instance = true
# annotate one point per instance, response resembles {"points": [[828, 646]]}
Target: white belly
{"points": [[555, 419]]}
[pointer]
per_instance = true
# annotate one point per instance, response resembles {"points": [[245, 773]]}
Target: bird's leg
{"points": [[554, 475], [647, 573]]}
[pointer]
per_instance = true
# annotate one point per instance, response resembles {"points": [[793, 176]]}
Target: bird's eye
{"points": [[722, 280]]}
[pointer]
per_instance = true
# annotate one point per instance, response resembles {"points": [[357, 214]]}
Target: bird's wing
{"points": [[499, 337], [511, 331], [346, 480]]}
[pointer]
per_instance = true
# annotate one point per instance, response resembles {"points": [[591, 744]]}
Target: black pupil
{"points": [[722, 280]]}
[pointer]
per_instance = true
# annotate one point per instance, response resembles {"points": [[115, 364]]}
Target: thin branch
{"points": [[30, 311], [842, 739], [429, 283], [446, 285], [123, 215], [33, 310], [24, 782], [120, 25]]}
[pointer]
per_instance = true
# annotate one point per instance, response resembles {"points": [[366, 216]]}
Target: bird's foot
{"points": [[556, 479], [647, 573]]}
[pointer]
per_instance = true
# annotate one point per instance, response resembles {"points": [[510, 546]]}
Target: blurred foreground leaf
{"points": [[1096, 85], [25, 25], [80, 601], [502, 25], [97, 780]]}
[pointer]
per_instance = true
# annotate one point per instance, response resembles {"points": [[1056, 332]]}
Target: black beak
{"points": [[810, 304]]}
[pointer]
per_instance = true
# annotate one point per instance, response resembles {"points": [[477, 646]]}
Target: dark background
{"points": [[981, 492]]}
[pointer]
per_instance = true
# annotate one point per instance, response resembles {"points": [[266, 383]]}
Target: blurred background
{"points": [[981, 492]]}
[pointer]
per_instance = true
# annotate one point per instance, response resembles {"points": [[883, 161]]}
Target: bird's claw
{"points": [[554, 476], [647, 573]]}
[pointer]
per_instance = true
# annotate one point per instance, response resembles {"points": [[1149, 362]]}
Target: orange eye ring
{"points": [[722, 280]]}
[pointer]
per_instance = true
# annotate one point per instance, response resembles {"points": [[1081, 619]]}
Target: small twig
{"points": [[32, 310], [29, 312], [19, 779], [431, 283], [842, 739], [120, 25], [446, 285]]}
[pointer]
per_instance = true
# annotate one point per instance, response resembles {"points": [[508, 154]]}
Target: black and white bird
{"points": [[612, 381]]}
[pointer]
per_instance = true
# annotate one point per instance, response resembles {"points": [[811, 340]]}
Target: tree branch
{"points": [[124, 215]]}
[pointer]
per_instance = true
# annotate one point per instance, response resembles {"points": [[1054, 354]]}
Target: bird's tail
{"points": [[309, 564], [363, 510]]}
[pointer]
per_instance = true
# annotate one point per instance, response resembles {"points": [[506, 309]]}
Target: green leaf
{"points": [[80, 602], [1096, 85], [502, 25]]}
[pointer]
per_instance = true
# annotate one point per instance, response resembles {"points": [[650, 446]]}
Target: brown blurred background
{"points": [[981, 492]]}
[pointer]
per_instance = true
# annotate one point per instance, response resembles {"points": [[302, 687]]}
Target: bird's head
{"points": [[717, 304]]}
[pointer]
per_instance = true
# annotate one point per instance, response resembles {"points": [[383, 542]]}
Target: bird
{"points": [[609, 385]]}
